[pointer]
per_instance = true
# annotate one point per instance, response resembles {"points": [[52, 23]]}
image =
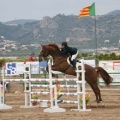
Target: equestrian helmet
{"points": [[64, 44]]}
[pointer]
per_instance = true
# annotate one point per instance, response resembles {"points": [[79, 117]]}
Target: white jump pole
{"points": [[28, 92], [27, 84], [2, 92], [53, 108], [51, 87], [81, 106], [66, 83], [83, 87]]}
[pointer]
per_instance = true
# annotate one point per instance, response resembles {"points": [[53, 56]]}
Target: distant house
{"points": [[24, 48], [1, 37], [8, 51], [14, 47], [12, 24]]}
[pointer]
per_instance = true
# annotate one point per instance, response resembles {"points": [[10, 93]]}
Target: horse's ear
{"points": [[42, 45]]}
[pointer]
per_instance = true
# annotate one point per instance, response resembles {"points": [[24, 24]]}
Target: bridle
{"points": [[43, 53]]}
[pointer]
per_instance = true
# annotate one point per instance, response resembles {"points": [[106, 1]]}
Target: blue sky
{"points": [[37, 9]]}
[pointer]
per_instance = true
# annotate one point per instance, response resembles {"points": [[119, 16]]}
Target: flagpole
{"points": [[90, 11], [95, 40]]}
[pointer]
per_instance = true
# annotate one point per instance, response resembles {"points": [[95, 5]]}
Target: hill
{"points": [[60, 28], [115, 12], [20, 21]]}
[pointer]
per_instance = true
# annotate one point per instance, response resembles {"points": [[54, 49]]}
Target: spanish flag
{"points": [[87, 11]]}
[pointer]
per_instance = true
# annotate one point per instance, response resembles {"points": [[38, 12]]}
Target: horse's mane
{"points": [[54, 45]]}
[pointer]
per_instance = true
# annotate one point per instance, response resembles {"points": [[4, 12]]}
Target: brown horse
{"points": [[60, 64]]}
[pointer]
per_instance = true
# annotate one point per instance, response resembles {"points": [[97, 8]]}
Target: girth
{"points": [[66, 68]]}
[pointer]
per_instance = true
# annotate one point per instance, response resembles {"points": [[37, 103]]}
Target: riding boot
{"points": [[71, 62], [74, 64]]}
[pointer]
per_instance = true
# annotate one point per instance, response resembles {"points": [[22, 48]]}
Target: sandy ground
{"points": [[111, 111]]}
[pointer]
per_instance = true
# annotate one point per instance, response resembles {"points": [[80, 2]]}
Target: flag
{"points": [[87, 11]]}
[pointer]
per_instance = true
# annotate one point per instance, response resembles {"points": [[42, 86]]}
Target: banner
{"points": [[113, 68], [16, 68]]}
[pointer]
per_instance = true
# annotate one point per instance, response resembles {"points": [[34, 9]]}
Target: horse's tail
{"points": [[104, 75]]}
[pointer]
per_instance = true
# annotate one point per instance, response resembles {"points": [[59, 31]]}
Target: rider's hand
{"points": [[61, 47]]}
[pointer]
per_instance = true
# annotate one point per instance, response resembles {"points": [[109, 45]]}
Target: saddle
{"points": [[71, 62]]}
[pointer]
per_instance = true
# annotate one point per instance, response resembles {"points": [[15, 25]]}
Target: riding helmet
{"points": [[64, 44]]}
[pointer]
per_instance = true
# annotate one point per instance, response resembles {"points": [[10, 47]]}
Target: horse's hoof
{"points": [[101, 104]]}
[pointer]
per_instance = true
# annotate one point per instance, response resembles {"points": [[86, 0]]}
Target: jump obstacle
{"points": [[2, 93], [54, 107]]}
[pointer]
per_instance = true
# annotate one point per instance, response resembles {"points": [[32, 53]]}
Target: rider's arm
{"points": [[64, 51]]}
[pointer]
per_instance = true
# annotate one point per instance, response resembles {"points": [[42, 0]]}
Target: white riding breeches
{"points": [[74, 56]]}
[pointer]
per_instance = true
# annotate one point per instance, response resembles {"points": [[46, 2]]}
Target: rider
{"points": [[73, 52]]}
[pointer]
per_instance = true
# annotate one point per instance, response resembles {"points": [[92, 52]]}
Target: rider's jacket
{"points": [[69, 50]]}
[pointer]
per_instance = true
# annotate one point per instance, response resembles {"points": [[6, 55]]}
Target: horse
{"points": [[61, 64]]}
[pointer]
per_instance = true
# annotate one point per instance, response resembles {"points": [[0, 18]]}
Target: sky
{"points": [[37, 9]]}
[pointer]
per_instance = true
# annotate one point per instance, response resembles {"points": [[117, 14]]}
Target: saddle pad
{"points": [[57, 72]]}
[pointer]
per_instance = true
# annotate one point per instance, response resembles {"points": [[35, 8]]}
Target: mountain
{"points": [[115, 12], [20, 21], [80, 32]]}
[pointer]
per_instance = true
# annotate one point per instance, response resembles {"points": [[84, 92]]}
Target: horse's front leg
{"points": [[54, 69]]}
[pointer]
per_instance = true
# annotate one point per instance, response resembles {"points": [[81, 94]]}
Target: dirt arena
{"points": [[111, 111]]}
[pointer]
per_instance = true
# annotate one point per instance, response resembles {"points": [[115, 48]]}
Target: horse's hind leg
{"points": [[99, 100], [96, 90]]}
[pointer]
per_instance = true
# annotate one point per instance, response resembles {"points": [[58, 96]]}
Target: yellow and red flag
{"points": [[87, 11]]}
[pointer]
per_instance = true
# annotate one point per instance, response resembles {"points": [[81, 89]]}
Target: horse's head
{"points": [[51, 49], [43, 53]]}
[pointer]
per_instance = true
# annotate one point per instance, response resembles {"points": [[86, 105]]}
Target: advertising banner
{"points": [[113, 68], [16, 68]]}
